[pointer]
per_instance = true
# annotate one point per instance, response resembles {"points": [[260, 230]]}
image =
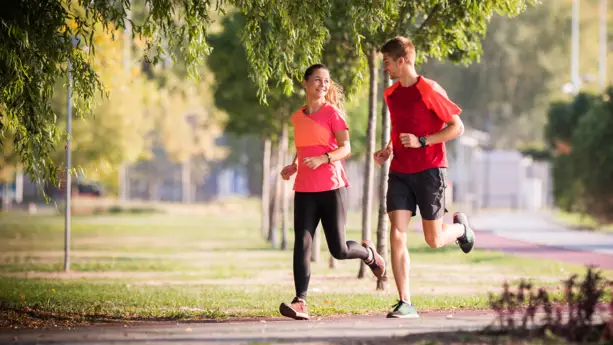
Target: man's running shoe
{"points": [[403, 310], [466, 241], [296, 310]]}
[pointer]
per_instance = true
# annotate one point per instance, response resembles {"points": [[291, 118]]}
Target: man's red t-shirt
{"points": [[421, 109]]}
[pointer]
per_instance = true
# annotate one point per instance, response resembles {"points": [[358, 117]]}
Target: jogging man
{"points": [[422, 119]]}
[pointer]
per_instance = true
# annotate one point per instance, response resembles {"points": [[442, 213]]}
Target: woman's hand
{"points": [[288, 171], [315, 162]]}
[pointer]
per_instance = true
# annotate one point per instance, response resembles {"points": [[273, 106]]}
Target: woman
{"points": [[322, 141]]}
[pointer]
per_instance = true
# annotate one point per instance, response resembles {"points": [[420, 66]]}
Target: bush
{"points": [[518, 311], [593, 159], [582, 177]]}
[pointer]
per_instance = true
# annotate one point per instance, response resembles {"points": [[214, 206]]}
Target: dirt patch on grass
{"points": [[88, 275], [457, 280], [110, 241]]}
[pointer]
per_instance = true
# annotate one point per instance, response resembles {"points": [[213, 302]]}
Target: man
{"points": [[423, 119]]}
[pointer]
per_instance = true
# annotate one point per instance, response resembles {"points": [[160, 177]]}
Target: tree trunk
{"points": [[370, 149], [6, 200], [284, 187], [265, 205], [276, 207], [123, 185], [382, 223], [19, 186], [186, 181]]}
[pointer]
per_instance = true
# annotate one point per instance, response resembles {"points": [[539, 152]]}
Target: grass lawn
{"points": [[582, 222], [214, 264]]}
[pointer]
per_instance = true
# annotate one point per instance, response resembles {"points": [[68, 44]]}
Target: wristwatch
{"points": [[329, 158], [422, 141]]}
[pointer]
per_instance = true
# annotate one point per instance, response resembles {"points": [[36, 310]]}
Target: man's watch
{"points": [[422, 141]]}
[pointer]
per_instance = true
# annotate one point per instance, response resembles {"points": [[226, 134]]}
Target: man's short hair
{"points": [[400, 47]]}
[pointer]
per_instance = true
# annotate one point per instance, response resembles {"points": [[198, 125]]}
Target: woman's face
{"points": [[317, 85]]}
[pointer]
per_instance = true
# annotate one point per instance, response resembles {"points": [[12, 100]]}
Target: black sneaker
{"points": [[466, 241], [403, 310]]}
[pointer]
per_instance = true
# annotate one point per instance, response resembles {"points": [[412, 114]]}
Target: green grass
{"points": [[581, 221], [214, 264]]}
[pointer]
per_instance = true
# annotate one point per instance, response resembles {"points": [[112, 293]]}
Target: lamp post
{"points": [[602, 70], [575, 79], [68, 187]]}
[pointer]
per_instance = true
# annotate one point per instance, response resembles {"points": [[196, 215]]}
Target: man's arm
{"points": [[454, 128]]}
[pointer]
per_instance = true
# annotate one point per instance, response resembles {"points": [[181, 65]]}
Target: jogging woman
{"points": [[321, 136]]}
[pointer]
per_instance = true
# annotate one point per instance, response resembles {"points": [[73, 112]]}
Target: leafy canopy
{"points": [[281, 38]]}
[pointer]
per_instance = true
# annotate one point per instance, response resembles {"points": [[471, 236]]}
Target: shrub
{"points": [[518, 311]]}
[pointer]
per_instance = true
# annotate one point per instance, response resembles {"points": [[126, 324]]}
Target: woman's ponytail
{"points": [[335, 96]]}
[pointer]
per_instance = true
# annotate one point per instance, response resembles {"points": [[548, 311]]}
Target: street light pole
{"points": [[602, 70], [68, 185], [574, 56]]}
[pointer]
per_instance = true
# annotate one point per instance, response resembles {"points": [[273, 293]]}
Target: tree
{"points": [[441, 30], [578, 132], [37, 43], [382, 229], [117, 130], [8, 168], [237, 95], [524, 65], [592, 152], [186, 125]]}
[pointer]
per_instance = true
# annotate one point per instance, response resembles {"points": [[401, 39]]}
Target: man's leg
{"points": [[430, 194], [401, 207], [401, 264]]}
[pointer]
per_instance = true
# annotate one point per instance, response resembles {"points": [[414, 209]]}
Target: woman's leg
{"points": [[305, 223], [333, 213]]}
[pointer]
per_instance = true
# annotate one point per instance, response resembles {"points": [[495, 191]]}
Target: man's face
{"points": [[391, 66]]}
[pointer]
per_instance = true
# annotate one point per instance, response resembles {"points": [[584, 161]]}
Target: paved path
{"points": [[329, 330], [534, 235]]}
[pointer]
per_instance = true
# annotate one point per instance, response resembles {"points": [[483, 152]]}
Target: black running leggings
{"points": [[309, 209]]}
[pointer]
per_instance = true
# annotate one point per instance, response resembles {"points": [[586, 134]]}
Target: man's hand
{"points": [[409, 140], [315, 162], [288, 171], [382, 155]]}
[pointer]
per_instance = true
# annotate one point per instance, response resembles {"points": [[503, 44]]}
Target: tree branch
{"points": [[401, 14], [430, 15]]}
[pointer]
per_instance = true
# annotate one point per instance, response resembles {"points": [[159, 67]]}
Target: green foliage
{"points": [[235, 93], [522, 62], [582, 177], [567, 189], [281, 38], [563, 117], [36, 43], [592, 152], [586, 322]]}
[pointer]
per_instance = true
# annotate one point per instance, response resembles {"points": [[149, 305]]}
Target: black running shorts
{"points": [[425, 189]]}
